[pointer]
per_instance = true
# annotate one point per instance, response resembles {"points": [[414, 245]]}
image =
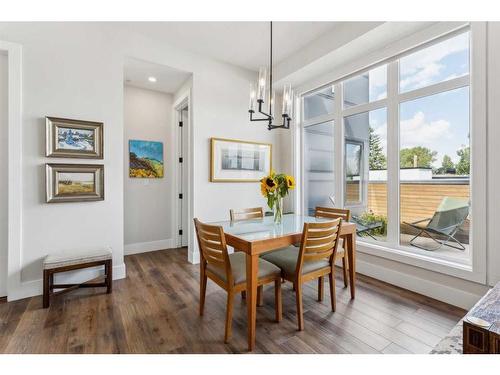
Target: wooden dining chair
{"points": [[314, 260], [249, 214], [246, 213], [229, 270], [344, 214]]}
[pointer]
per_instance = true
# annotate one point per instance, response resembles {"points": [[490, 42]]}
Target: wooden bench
{"points": [[74, 260]]}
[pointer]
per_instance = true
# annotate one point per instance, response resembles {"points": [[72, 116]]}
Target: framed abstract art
{"points": [[239, 161]]}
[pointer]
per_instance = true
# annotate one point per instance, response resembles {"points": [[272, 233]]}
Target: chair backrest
{"points": [[333, 213], [246, 213], [450, 214], [319, 241], [213, 248]]}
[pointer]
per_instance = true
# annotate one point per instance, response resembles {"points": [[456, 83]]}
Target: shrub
{"points": [[370, 217]]}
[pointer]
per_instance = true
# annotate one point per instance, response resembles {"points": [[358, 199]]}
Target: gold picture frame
{"points": [[74, 182], [234, 160], [67, 138]]}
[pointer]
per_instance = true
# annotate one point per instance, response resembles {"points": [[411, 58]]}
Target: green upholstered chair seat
{"points": [[238, 266], [286, 259]]}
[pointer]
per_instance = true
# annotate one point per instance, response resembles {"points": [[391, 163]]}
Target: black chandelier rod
{"points": [[271, 73]]}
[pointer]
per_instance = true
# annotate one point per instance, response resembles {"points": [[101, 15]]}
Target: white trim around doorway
{"points": [[185, 99]]}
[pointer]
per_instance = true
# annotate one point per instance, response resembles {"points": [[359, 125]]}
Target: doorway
{"points": [[182, 174]]}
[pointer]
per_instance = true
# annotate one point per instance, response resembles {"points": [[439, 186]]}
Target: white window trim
{"points": [[476, 271]]}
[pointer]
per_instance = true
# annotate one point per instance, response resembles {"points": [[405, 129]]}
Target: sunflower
{"points": [[290, 182], [270, 184], [263, 188]]}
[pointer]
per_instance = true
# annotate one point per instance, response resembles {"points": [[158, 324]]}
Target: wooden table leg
{"points": [[351, 257], [252, 264]]}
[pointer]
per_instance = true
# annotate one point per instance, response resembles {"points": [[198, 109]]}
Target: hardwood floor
{"points": [[155, 310]]}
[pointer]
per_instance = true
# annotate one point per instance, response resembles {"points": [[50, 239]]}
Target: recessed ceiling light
{"points": [[152, 79]]}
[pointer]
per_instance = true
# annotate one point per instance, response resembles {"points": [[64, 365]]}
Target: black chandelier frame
{"points": [[269, 116]]}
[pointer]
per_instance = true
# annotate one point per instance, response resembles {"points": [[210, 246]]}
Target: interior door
{"points": [[3, 181]]}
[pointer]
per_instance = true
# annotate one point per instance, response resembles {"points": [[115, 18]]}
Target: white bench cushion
{"points": [[74, 257]]}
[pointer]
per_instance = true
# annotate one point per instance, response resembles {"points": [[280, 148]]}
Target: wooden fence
{"points": [[418, 200]]}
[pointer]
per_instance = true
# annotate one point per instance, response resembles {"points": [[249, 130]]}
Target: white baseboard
{"points": [[35, 287], [193, 257], [144, 247], [429, 288]]}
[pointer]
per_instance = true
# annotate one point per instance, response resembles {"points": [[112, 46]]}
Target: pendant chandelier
{"points": [[260, 97]]}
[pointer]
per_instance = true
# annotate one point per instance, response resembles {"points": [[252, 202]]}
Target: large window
{"points": [[434, 172], [319, 158], [319, 103], [440, 62], [405, 131], [367, 87], [365, 191]]}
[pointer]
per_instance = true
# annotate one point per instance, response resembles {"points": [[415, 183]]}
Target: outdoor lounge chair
{"points": [[449, 216]]}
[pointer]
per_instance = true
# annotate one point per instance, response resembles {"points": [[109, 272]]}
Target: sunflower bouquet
{"points": [[274, 188]]}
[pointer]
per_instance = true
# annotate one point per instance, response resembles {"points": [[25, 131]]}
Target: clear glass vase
{"points": [[278, 211]]}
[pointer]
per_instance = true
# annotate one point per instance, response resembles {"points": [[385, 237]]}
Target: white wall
{"points": [[68, 71], [219, 109], [3, 182], [148, 202], [75, 70]]}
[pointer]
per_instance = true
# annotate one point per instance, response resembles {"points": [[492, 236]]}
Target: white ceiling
{"points": [[245, 44], [168, 80]]}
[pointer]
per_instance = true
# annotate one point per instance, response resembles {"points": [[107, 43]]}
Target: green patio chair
{"points": [[449, 216]]}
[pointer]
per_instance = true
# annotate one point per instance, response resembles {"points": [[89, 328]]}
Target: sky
{"points": [[439, 122], [147, 149]]}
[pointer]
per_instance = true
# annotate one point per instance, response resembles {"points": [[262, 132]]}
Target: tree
{"points": [[377, 159], [463, 165], [424, 157], [447, 165]]}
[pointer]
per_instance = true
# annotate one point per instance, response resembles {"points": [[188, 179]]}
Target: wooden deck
{"points": [[155, 310]]}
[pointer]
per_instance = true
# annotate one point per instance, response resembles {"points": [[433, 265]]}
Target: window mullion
{"points": [[393, 153], [338, 146], [366, 107]]}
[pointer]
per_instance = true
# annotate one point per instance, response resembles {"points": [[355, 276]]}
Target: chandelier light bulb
{"points": [[262, 83], [253, 95]]}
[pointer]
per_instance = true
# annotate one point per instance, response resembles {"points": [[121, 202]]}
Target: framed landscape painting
{"points": [[74, 182], [146, 159], [239, 161], [67, 138]]}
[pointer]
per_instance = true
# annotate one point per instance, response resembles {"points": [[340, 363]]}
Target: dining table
{"points": [[257, 236]]}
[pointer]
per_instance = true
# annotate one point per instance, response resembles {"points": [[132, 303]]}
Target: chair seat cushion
{"points": [[238, 266], [286, 259], [74, 257]]}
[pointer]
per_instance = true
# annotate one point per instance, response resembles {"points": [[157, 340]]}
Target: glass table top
{"points": [[260, 229]]}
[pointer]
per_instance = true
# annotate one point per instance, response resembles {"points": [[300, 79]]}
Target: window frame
{"points": [[476, 81]]}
